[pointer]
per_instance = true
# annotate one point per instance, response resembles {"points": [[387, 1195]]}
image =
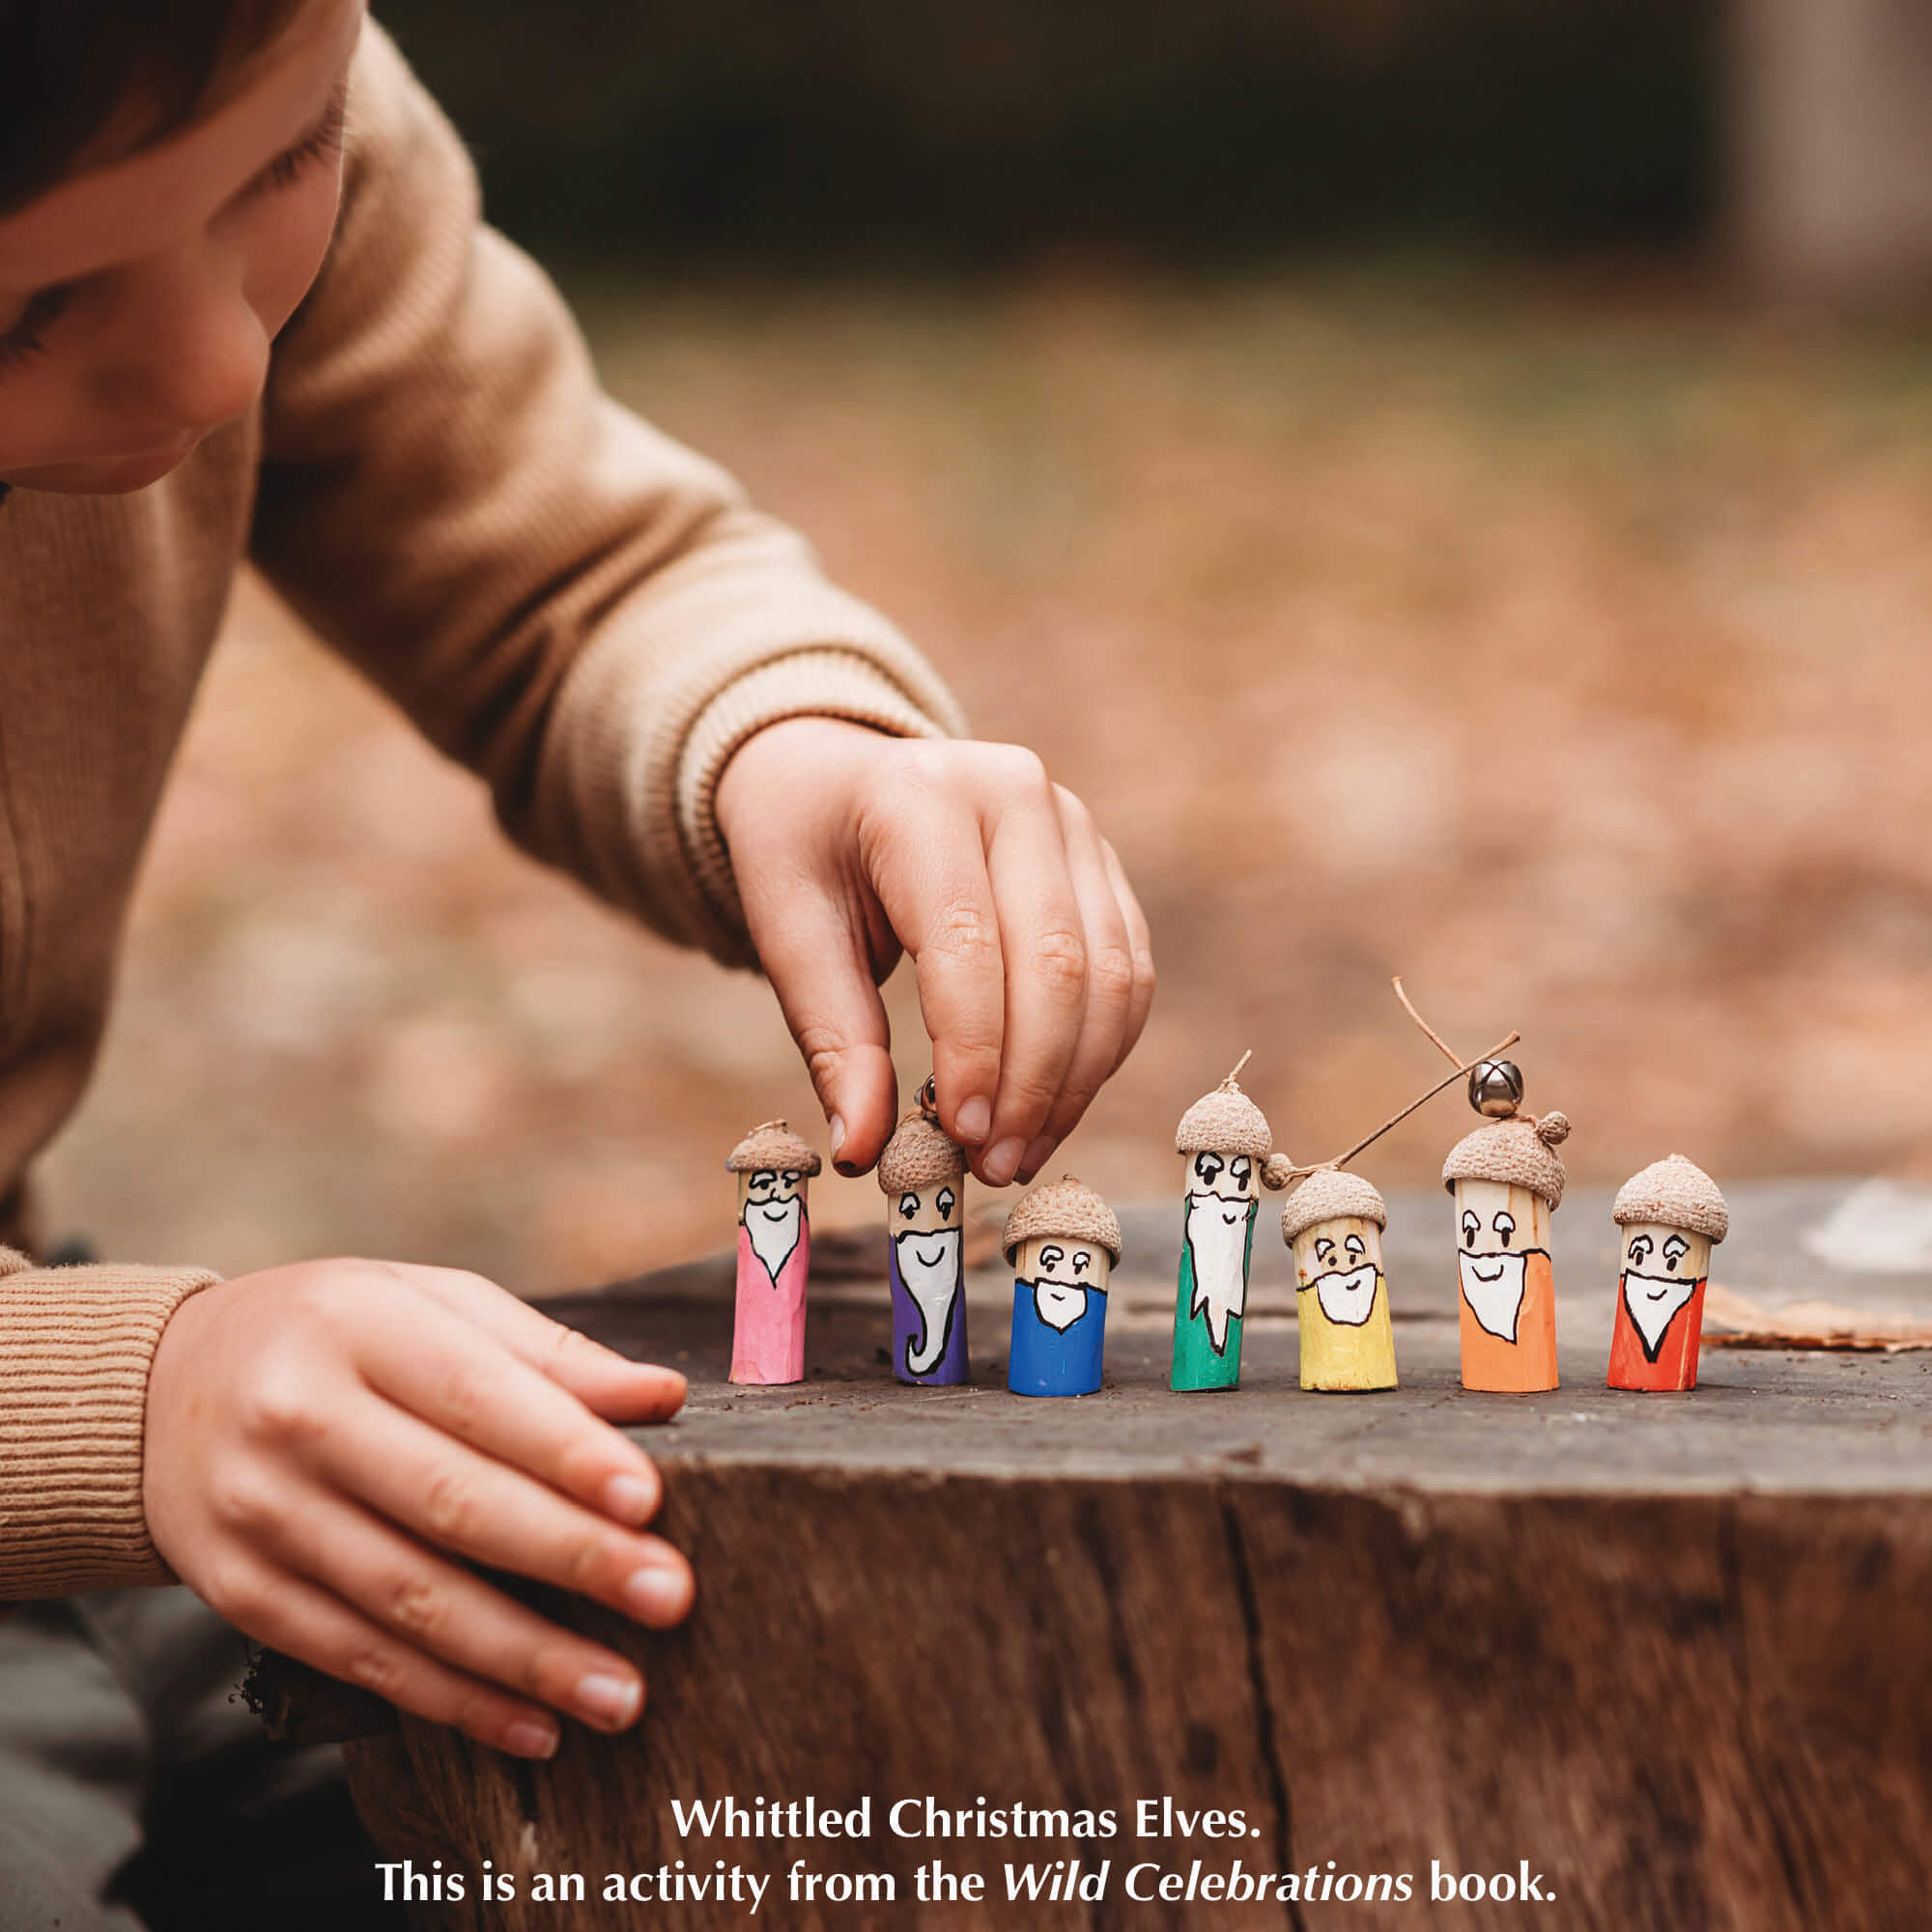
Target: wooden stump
{"points": [[1674, 1656]]}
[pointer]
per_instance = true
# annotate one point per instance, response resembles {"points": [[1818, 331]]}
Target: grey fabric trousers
{"points": [[138, 1791]]}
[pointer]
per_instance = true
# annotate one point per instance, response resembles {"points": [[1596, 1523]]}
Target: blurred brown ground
{"points": [[1559, 643]]}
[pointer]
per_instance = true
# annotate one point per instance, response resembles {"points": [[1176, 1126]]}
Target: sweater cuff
{"points": [[807, 683], [76, 1348], [673, 684]]}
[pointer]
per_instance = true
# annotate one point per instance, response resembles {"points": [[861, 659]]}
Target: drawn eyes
{"points": [[1640, 1250], [1356, 1247], [791, 1176], [1472, 1227], [1209, 1167], [1239, 1169], [948, 1201], [761, 1183], [1674, 1251], [1051, 1255], [908, 1205], [1325, 1250]]}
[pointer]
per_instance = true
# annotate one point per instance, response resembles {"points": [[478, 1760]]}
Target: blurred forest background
{"points": [[1449, 481]]}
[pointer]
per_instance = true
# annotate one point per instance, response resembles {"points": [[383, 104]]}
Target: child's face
{"points": [[138, 299]]}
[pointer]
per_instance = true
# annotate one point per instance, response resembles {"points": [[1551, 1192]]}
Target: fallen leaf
{"points": [[1810, 1324]]}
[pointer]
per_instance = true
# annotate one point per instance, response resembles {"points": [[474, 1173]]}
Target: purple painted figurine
{"points": [[923, 1176]]}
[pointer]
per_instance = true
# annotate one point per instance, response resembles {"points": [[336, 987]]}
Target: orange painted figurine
{"points": [[1507, 1182]]}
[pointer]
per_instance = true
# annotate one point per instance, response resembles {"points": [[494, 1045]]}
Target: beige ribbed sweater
{"points": [[581, 611]]}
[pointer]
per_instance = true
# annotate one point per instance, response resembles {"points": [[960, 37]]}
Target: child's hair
{"points": [[101, 79]]}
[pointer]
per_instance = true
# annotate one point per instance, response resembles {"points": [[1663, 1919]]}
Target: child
{"points": [[247, 310]]}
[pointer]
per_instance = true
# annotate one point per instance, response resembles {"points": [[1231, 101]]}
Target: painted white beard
{"points": [[1059, 1304], [929, 1267], [774, 1232], [1220, 1252], [1347, 1298], [1494, 1295], [1653, 1301]]}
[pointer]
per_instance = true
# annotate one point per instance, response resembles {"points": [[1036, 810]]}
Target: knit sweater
{"points": [[581, 611]]}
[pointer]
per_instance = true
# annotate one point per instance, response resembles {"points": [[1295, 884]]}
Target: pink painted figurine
{"points": [[772, 1166]]}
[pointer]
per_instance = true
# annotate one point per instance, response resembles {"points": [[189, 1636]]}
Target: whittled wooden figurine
{"points": [[1672, 1216], [1062, 1242], [923, 1176], [1229, 1149], [1507, 1182], [1333, 1224], [772, 1166]]}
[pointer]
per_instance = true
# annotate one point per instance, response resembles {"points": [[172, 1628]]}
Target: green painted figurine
{"points": [[1225, 1140]]}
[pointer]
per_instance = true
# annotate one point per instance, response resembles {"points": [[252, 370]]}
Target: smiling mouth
{"points": [[774, 1213], [926, 1260], [1495, 1274]]}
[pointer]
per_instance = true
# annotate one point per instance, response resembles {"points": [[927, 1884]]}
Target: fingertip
{"points": [[655, 1394], [632, 1497], [1003, 1161], [975, 1164], [1040, 1150], [531, 1736], [662, 1592], [863, 1114]]}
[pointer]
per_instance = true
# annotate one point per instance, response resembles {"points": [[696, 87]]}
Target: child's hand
{"points": [[319, 1435], [1034, 971]]}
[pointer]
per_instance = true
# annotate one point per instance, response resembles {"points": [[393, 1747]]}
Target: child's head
{"points": [[168, 183]]}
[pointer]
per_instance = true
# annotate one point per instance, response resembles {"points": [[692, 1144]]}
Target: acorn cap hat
{"points": [[920, 1156], [1517, 1153], [773, 1148], [1329, 1193], [1227, 1121], [1674, 1193], [1067, 1208]]}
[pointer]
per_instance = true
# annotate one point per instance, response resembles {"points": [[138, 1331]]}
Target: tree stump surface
{"points": [[1670, 1650]]}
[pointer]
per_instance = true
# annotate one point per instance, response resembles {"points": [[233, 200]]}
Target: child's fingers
{"points": [[1110, 982], [464, 1381], [607, 1384], [457, 1500], [814, 954], [280, 1610], [1141, 942], [926, 857], [453, 1614], [1043, 935]]}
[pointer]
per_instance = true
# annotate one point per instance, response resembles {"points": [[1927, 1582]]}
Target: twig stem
{"points": [[1448, 1051], [1447, 1080]]}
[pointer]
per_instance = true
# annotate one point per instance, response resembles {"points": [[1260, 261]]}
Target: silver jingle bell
{"points": [[1496, 1088]]}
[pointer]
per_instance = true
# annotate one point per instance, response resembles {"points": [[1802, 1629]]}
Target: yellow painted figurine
{"points": [[1333, 1224]]}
